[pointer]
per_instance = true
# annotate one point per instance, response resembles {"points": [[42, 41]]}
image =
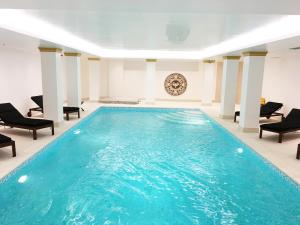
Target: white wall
{"points": [[84, 77], [64, 79], [135, 76], [193, 74], [134, 84], [104, 79], [20, 77], [130, 84], [209, 83], [116, 80], [282, 80]]}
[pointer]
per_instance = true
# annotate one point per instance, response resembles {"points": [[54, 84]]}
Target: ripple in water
{"points": [[148, 166]]}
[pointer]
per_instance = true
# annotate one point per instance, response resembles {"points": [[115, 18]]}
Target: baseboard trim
{"points": [[248, 130], [58, 124], [226, 117], [177, 100]]}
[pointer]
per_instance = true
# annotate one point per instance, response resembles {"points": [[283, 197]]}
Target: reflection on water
{"points": [[148, 166]]}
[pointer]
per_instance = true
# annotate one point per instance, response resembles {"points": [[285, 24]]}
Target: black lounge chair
{"points": [[267, 110], [290, 124], [10, 116], [39, 101], [7, 141]]}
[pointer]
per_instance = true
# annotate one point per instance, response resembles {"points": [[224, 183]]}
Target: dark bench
{"points": [[7, 141], [267, 110], [39, 101], [289, 124], [10, 116]]}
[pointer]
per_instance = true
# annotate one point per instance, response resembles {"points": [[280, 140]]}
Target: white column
{"points": [[229, 86], [253, 71], [94, 79], [52, 84], [116, 80], [72, 66], [209, 82], [150, 81]]}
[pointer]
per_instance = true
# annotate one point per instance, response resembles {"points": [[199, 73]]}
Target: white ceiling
{"points": [[13, 40], [289, 7], [152, 31], [172, 25]]}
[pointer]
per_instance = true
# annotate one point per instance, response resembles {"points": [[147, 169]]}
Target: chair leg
{"points": [[280, 138], [234, 118], [260, 133], [34, 134], [52, 128], [81, 104], [29, 114], [67, 115], [13, 146], [298, 152], [78, 113]]}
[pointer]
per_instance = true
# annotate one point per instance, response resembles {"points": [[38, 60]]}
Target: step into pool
{"points": [[148, 166]]}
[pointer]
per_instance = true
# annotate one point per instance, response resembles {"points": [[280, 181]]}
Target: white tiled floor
{"points": [[281, 155]]}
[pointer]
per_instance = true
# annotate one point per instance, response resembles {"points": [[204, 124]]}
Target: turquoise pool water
{"points": [[148, 166]]}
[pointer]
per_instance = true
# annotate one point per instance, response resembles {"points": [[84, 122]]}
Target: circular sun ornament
{"points": [[175, 84]]}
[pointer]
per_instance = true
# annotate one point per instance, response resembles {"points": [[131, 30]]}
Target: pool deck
{"points": [[281, 155]]}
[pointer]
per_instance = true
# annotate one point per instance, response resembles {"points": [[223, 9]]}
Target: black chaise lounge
{"points": [[39, 101], [7, 141], [267, 110], [10, 116], [289, 124]]}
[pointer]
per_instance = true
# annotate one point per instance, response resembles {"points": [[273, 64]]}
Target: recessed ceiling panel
{"points": [[152, 31]]}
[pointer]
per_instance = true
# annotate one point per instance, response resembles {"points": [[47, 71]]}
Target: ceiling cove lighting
{"points": [[22, 22]]}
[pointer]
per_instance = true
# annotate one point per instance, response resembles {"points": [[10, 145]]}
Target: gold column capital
{"points": [[72, 54], [151, 60], [255, 53], [231, 57], [209, 61], [94, 58], [44, 49]]}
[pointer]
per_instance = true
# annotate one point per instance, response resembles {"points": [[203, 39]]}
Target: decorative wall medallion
{"points": [[175, 84]]}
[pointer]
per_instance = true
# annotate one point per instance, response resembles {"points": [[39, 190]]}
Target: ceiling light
{"points": [[22, 22], [177, 32]]}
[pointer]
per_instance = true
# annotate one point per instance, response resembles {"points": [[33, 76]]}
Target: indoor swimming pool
{"points": [[141, 166]]}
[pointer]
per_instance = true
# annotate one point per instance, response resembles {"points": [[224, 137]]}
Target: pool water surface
{"points": [[148, 166]]}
